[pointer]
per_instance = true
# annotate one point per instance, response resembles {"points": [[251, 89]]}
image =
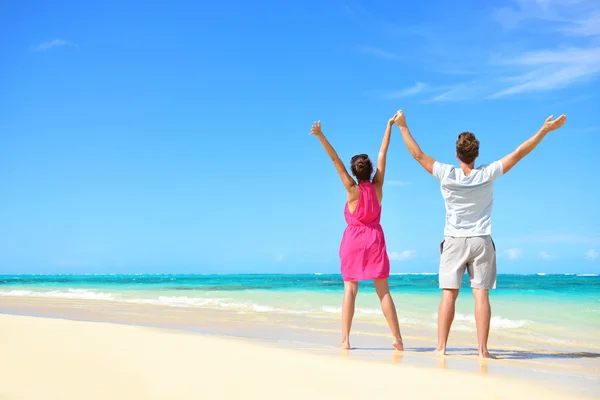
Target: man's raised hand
{"points": [[400, 119], [552, 125]]}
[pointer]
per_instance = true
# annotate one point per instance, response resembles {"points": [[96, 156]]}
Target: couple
{"points": [[467, 245]]}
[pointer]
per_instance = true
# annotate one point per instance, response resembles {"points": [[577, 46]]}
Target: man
{"points": [[468, 194]]}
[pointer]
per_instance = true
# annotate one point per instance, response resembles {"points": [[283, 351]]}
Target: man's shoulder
{"points": [[486, 166], [440, 170], [493, 169], [443, 167]]}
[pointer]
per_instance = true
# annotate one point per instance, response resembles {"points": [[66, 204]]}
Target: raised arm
{"points": [[513, 158], [382, 157], [412, 146], [347, 180]]}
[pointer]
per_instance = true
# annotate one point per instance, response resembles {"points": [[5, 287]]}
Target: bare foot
{"points": [[486, 354], [439, 352], [345, 345], [398, 345]]}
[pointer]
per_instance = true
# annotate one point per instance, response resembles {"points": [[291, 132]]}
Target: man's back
{"points": [[468, 199]]}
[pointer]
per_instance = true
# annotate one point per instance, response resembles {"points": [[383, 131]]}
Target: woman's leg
{"points": [[350, 292], [389, 310]]}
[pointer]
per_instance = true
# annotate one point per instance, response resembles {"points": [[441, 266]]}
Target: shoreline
{"points": [[98, 359]]}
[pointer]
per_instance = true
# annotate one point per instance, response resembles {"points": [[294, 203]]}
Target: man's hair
{"points": [[467, 147]]}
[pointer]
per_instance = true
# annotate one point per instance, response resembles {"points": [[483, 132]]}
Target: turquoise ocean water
{"points": [[564, 309]]}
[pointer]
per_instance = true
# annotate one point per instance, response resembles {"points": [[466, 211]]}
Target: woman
{"points": [[363, 252]]}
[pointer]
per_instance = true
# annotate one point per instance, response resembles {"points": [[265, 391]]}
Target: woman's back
{"points": [[368, 209], [363, 252]]}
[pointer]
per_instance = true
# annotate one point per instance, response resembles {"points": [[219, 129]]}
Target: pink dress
{"points": [[363, 254]]}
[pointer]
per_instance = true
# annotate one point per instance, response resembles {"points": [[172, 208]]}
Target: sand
{"points": [[44, 358]]}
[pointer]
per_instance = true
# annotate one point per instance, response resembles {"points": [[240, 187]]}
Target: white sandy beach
{"points": [[52, 358]]}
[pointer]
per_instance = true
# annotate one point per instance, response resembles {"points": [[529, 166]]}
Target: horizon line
{"points": [[276, 273]]}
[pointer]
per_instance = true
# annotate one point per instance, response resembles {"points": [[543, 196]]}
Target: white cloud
{"points": [[459, 92], [544, 70], [564, 238], [592, 254], [552, 70], [409, 91], [51, 44], [355, 10], [279, 258], [402, 255], [584, 27], [391, 182], [379, 52], [557, 79], [547, 45], [513, 254], [73, 262], [547, 256], [573, 17], [567, 56], [556, 238]]}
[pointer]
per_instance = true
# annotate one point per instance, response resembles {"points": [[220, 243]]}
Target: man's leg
{"points": [[483, 315], [445, 318], [350, 292], [453, 262], [482, 271]]}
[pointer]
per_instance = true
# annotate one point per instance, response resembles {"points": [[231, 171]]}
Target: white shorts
{"points": [[476, 254]]}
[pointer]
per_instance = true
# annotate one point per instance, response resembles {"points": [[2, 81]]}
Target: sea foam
{"points": [[69, 294], [497, 321]]}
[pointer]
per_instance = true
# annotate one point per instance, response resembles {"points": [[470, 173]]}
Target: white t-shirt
{"points": [[468, 198]]}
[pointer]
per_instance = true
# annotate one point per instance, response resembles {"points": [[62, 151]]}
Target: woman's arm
{"points": [[347, 180], [382, 157]]}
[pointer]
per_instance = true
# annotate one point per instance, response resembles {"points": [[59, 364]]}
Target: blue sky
{"points": [[174, 136]]}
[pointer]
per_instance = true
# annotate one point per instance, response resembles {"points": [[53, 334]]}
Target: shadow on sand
{"points": [[529, 355], [498, 353]]}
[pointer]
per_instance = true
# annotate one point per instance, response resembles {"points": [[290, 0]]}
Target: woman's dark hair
{"points": [[361, 167]]}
